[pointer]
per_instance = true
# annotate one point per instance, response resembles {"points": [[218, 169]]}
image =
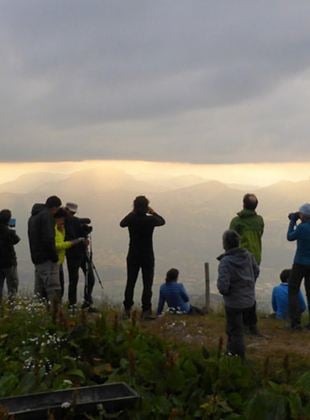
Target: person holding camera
{"points": [[301, 265], [77, 258], [41, 235], [8, 261], [140, 223]]}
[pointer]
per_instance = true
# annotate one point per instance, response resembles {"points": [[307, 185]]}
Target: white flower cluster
{"points": [[43, 343], [31, 363], [31, 305]]}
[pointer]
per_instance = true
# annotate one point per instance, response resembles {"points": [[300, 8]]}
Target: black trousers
{"points": [[62, 280], [134, 264], [250, 319], [297, 274], [234, 331], [74, 264]]}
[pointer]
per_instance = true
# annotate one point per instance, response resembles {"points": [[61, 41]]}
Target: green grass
{"points": [[175, 363]]}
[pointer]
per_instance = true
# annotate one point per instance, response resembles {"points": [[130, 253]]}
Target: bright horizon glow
{"points": [[256, 174]]}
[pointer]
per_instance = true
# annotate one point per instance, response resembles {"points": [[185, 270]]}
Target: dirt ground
{"points": [[277, 340]]}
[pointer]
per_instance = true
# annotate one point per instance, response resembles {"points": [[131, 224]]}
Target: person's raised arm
{"points": [[157, 219], [293, 230], [125, 222]]}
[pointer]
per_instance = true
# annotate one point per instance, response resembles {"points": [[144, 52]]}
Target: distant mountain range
{"points": [[196, 216]]}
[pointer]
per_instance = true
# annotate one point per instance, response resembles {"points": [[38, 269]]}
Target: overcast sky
{"points": [[168, 80]]}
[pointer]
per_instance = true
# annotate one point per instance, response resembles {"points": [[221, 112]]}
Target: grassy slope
{"points": [[277, 341]]}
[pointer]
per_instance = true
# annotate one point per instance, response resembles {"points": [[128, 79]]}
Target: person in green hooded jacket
{"points": [[250, 226]]}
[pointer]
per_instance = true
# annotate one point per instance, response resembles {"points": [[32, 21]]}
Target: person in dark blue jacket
{"points": [[280, 297], [301, 265], [174, 294]]}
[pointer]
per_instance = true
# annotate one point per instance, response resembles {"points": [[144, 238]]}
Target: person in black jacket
{"points": [[41, 235], [8, 261], [77, 258], [141, 223]]}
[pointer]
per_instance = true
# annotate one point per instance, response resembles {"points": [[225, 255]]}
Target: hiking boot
{"points": [[147, 316], [254, 332], [296, 327], [125, 314], [92, 310], [72, 309], [229, 354]]}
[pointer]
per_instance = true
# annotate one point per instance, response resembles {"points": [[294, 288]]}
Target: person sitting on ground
{"points": [[175, 295], [237, 273], [280, 297]]}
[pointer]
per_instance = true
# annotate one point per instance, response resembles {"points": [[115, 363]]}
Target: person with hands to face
{"points": [[301, 266], [141, 222]]}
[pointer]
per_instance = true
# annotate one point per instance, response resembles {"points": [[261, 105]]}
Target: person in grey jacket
{"points": [[237, 273]]}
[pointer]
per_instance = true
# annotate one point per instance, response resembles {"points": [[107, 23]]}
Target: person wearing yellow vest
{"points": [[61, 244]]}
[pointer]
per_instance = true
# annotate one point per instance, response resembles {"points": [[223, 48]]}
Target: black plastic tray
{"points": [[113, 397]]}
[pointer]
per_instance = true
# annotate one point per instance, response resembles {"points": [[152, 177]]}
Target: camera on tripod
{"points": [[85, 226]]}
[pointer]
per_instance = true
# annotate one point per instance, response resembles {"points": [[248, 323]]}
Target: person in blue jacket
{"points": [[174, 294], [301, 266], [280, 297]]}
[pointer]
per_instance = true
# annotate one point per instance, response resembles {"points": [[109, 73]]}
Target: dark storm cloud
{"points": [[174, 80]]}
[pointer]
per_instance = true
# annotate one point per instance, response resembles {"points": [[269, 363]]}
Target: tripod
{"points": [[90, 266]]}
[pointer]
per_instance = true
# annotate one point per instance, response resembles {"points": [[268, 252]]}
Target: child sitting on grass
{"points": [[175, 295]]}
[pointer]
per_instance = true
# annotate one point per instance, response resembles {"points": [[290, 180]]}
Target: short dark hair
{"points": [[53, 201], [60, 213], [141, 204], [5, 216], [172, 275], [250, 201], [231, 239], [285, 275]]}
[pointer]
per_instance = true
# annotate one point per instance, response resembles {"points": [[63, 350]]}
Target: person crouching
{"points": [[237, 273]]}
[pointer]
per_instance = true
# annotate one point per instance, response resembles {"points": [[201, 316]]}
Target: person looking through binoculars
{"points": [[141, 222]]}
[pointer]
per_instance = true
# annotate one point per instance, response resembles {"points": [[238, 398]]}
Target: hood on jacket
{"points": [[238, 257], [37, 208], [246, 213]]}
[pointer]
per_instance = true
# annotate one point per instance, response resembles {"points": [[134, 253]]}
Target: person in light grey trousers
{"points": [[41, 234]]}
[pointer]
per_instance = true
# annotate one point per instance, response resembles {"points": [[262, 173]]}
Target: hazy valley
{"points": [[196, 213]]}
